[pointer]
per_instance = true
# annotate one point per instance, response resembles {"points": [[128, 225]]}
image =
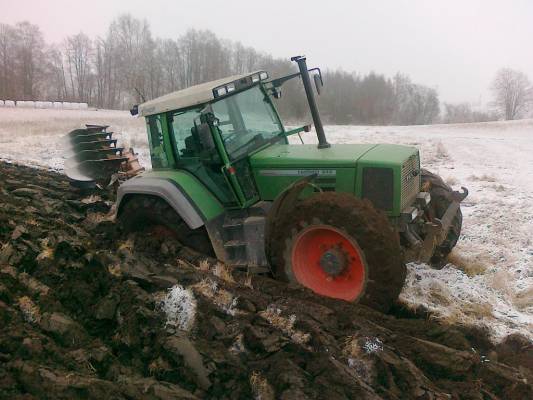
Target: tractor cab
{"points": [[212, 136]]}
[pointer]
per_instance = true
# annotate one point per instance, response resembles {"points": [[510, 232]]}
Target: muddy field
{"points": [[86, 312]]}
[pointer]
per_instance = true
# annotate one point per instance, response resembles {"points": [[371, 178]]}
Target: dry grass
{"points": [[46, 254], [484, 178], [501, 281], [351, 348], [115, 270], [223, 272], [219, 296], [284, 324], [470, 265], [238, 345], [97, 218], [499, 188], [261, 389], [248, 281], [204, 266], [524, 299], [30, 311]]}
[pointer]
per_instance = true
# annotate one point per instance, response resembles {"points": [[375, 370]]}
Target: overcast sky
{"points": [[452, 45]]}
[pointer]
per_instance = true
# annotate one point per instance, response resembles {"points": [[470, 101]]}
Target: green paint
{"points": [[275, 166], [205, 201]]}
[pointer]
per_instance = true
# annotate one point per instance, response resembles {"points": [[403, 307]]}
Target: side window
{"points": [[155, 140], [187, 145]]}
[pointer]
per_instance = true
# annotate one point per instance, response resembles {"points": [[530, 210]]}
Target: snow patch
{"points": [[179, 305]]}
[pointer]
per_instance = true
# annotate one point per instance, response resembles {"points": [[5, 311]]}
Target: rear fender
{"points": [[182, 191]]}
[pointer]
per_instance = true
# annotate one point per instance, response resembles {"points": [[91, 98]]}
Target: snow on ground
{"points": [[33, 136], [489, 280]]}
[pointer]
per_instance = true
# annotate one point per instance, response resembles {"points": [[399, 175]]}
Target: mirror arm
{"points": [[305, 128], [280, 81]]}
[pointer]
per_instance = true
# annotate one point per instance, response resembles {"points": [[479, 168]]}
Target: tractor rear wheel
{"points": [[341, 247], [155, 216], [441, 198]]}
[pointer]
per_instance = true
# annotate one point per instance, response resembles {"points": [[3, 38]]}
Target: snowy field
{"points": [[489, 281]]}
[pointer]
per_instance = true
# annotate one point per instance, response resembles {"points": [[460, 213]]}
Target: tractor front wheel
{"points": [[341, 247], [155, 216]]}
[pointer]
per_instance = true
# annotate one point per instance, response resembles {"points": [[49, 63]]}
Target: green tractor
{"points": [[341, 220]]}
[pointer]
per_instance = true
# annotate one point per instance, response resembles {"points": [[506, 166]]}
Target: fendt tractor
{"points": [[339, 219]]}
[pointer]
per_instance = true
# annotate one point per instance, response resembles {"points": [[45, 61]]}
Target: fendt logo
{"points": [[297, 172]]}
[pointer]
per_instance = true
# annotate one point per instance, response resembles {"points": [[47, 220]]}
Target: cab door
{"points": [[204, 162]]}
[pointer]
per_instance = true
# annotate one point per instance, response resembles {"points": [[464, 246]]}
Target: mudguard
{"points": [[180, 189], [283, 204]]}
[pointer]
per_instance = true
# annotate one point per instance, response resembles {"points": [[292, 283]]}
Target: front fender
{"points": [[181, 190]]}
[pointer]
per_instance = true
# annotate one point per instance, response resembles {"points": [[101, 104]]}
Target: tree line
{"points": [[129, 65]]}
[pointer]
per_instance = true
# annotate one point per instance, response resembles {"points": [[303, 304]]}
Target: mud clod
{"points": [[81, 317]]}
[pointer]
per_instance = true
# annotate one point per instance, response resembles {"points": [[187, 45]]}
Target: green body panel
{"points": [[338, 168], [309, 156], [386, 156], [195, 190]]}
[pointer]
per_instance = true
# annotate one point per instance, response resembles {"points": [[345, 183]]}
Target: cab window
{"points": [[156, 142], [182, 127]]}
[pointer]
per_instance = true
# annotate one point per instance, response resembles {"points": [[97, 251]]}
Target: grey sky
{"points": [[454, 46]]}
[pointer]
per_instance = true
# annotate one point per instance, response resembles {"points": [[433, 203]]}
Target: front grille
{"points": [[378, 187], [410, 181]]}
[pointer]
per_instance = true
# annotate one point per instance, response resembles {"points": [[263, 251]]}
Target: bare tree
{"points": [[79, 54], [512, 93], [8, 41], [30, 57]]}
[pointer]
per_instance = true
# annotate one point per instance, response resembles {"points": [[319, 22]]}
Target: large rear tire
{"points": [[156, 216], [441, 198], [341, 247]]}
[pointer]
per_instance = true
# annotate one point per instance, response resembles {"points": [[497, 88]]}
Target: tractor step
{"points": [[235, 243], [233, 223]]}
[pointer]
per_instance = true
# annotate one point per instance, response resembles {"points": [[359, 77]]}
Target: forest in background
{"points": [[113, 71]]}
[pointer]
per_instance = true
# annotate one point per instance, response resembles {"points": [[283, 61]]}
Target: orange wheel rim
{"points": [[329, 262]]}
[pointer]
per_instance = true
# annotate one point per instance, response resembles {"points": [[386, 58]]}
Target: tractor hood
{"points": [[338, 168], [309, 156]]}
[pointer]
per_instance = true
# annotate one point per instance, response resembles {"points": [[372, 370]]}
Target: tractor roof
{"points": [[191, 96]]}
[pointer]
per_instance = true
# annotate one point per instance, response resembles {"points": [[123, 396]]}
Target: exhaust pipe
{"points": [[302, 65]]}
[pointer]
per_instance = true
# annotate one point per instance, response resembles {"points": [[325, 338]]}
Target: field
{"points": [[87, 311], [489, 281]]}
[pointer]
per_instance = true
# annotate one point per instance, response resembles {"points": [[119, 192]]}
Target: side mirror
{"points": [[276, 92], [318, 82], [204, 135], [134, 110]]}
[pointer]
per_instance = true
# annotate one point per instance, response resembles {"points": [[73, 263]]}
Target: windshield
{"points": [[247, 120]]}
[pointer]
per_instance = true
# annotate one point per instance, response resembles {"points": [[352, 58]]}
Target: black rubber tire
{"points": [[361, 221], [441, 198], [142, 212]]}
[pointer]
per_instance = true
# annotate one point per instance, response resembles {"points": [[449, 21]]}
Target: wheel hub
{"points": [[333, 262], [329, 262]]}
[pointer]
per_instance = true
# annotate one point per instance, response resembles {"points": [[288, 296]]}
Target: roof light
{"points": [[221, 91], [240, 84]]}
